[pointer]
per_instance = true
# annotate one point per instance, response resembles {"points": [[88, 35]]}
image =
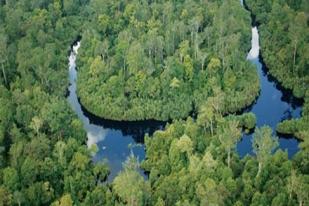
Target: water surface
{"points": [[273, 105], [115, 140]]}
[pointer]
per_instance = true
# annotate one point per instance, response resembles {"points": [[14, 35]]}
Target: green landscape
{"points": [[163, 60], [184, 64]]}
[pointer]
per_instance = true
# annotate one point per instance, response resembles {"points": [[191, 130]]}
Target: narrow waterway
{"points": [[273, 105], [115, 140]]}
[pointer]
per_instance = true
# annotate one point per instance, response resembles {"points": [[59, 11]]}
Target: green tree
{"points": [[36, 124], [19, 197], [214, 65], [11, 178], [296, 32], [206, 117], [209, 193], [5, 197], [3, 58], [65, 200], [229, 135], [299, 185], [137, 193], [263, 144]]}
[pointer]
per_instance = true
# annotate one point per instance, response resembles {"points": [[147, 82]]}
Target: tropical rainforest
{"points": [[163, 60], [141, 60]]}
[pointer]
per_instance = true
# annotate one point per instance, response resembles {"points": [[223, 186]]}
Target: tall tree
{"points": [[206, 117], [130, 186], [263, 144], [3, 57], [229, 135]]}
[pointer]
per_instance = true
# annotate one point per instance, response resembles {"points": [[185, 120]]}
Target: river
{"points": [[273, 105], [117, 140]]}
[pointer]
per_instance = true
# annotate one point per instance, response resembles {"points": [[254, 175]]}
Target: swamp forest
{"points": [[154, 102]]}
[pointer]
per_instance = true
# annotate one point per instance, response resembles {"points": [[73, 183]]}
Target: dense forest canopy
{"points": [[43, 156], [194, 52], [164, 59]]}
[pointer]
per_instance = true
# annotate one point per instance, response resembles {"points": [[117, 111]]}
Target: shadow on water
{"points": [[115, 140], [273, 105], [135, 129], [287, 94]]}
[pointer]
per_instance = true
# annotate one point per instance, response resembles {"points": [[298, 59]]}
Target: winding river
{"points": [[273, 105], [117, 140]]}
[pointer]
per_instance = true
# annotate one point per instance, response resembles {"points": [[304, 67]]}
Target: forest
{"points": [[163, 60], [140, 60]]}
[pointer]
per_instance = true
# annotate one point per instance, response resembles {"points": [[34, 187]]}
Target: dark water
{"points": [[115, 140], [272, 106]]}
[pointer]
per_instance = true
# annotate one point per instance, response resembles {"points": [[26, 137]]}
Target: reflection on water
{"points": [[272, 106], [94, 132], [115, 140]]}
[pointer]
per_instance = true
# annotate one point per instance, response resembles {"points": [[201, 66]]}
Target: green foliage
{"points": [[246, 120], [229, 135], [263, 145], [181, 171], [138, 191], [156, 60], [64, 201], [143, 60], [41, 139]]}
